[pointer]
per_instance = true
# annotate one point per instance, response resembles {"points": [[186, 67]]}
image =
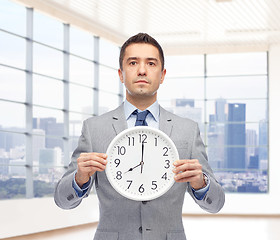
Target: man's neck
{"points": [[141, 104]]}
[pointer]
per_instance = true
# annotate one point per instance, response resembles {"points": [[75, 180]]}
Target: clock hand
{"points": [[142, 157], [129, 170]]}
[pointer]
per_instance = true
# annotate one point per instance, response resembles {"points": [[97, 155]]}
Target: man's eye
{"points": [[151, 63], [132, 63]]}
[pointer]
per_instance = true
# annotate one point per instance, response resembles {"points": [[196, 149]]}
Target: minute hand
{"points": [[142, 158]]}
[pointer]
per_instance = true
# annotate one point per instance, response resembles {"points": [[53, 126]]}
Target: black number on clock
{"points": [[119, 175], [141, 189], [117, 162], [142, 138], [165, 149], [121, 150], [130, 141], [154, 183], [156, 140], [130, 182], [167, 164], [164, 176]]}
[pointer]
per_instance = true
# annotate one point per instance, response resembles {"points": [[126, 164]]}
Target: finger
{"points": [[188, 176], [94, 157], [187, 167], [90, 166], [190, 179], [184, 161], [92, 154]]}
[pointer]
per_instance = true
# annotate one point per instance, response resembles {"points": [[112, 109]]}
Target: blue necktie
{"points": [[141, 118]]}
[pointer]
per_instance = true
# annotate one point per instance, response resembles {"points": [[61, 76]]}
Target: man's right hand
{"points": [[88, 164]]}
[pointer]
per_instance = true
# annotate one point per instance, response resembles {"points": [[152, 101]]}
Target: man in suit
{"points": [[141, 71]]}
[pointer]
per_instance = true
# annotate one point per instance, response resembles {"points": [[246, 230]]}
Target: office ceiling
{"points": [[181, 26]]}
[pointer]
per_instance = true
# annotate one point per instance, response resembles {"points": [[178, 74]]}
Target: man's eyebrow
{"points": [[131, 58], [136, 58], [152, 59]]}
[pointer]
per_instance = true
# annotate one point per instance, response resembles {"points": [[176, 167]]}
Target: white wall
{"points": [[34, 215], [25, 216]]}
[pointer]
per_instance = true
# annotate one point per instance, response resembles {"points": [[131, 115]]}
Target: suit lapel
{"points": [[118, 120], [165, 121]]}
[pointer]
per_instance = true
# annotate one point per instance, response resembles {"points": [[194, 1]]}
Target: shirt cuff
{"points": [[80, 191], [200, 193]]}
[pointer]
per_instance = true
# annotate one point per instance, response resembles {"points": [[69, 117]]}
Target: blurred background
{"points": [[58, 66]]}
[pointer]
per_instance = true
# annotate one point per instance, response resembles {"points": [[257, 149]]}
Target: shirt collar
{"points": [[154, 110]]}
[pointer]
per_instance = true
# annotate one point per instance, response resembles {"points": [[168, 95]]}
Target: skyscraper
{"points": [[263, 140], [236, 136]]}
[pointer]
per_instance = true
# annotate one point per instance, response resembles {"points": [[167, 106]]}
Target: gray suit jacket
{"points": [[124, 219]]}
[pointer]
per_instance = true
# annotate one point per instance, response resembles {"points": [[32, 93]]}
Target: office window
{"points": [[227, 94], [9, 79], [110, 93], [47, 61], [47, 30], [48, 87], [12, 50], [47, 92], [237, 107], [12, 13], [81, 71], [81, 43], [81, 99], [109, 54]]}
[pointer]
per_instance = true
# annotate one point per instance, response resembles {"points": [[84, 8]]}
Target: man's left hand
{"points": [[189, 170]]}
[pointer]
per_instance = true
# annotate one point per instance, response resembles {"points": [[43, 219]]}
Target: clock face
{"points": [[140, 163]]}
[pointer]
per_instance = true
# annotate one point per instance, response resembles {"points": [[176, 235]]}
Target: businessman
{"points": [[142, 72]]}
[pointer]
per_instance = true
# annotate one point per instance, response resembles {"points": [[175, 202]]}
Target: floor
{"points": [[196, 228]]}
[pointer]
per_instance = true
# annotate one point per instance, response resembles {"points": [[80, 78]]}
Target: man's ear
{"points": [[162, 76], [120, 75]]}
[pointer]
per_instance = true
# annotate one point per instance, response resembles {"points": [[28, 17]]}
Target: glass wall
{"points": [[52, 77], [227, 94]]}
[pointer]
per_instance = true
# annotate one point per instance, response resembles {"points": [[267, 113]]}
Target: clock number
{"points": [[119, 175], [142, 138], [156, 140], [164, 176], [130, 141], [166, 150], [141, 189], [117, 162], [154, 185], [130, 182], [167, 164], [121, 150]]}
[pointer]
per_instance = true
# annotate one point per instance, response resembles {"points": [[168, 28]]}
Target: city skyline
{"points": [[233, 148]]}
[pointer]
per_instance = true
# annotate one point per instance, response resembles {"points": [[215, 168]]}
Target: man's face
{"points": [[141, 73]]}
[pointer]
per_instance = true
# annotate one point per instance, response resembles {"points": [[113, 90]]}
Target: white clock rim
{"points": [[120, 135]]}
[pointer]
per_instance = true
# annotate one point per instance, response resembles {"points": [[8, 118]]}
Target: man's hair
{"points": [[141, 38]]}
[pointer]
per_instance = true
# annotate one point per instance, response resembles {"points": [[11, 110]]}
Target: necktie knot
{"points": [[141, 118]]}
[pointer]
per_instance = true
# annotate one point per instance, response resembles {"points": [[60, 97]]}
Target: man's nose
{"points": [[142, 69]]}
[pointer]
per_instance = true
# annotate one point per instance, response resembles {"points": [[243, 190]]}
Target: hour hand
{"points": [[129, 170]]}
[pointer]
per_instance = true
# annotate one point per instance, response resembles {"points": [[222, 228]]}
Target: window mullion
{"points": [[66, 63], [29, 102], [96, 76]]}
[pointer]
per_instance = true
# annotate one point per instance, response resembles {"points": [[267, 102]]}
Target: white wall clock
{"points": [[140, 163]]}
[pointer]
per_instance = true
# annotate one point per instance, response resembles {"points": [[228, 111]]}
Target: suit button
{"points": [[140, 229], [70, 197]]}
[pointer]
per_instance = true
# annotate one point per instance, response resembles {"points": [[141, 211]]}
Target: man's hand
{"points": [[189, 170], [88, 164]]}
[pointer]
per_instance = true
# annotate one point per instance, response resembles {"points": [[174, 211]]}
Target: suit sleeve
{"points": [[65, 195], [214, 199]]}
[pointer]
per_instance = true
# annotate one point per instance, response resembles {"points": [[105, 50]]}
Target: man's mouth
{"points": [[141, 81]]}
